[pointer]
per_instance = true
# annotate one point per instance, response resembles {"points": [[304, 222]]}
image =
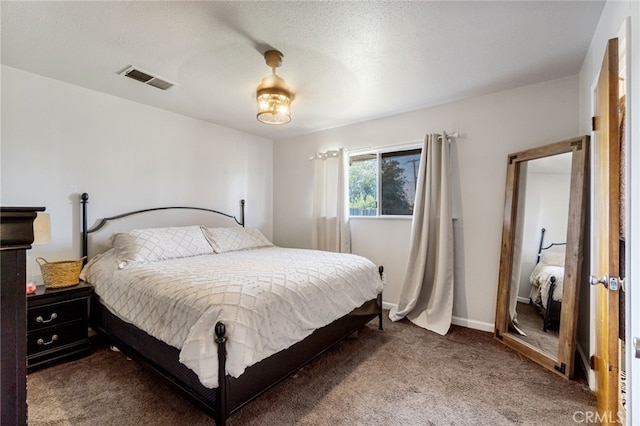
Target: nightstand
{"points": [[58, 324]]}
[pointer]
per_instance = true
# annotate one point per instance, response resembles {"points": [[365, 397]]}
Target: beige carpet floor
{"points": [[403, 375]]}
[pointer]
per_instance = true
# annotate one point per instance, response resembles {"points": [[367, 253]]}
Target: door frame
{"points": [[632, 209]]}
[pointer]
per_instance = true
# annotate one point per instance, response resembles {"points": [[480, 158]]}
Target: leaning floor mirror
{"points": [[542, 252]]}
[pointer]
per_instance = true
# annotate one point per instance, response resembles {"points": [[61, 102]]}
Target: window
{"points": [[390, 177]]}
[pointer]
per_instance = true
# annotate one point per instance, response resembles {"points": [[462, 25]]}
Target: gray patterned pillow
{"points": [[153, 244], [232, 239]]}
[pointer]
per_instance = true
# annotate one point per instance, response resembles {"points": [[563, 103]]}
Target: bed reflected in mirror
{"points": [[541, 253], [539, 250]]}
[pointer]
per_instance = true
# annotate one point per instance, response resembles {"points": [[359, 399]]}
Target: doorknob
{"points": [[595, 280], [612, 283]]}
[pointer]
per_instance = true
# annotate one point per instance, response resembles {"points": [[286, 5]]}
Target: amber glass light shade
{"points": [[272, 95]]}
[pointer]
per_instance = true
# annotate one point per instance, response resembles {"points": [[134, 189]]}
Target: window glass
{"points": [[399, 172], [363, 185]]}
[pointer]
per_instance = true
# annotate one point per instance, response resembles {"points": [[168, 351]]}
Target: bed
{"points": [[219, 310], [547, 279]]}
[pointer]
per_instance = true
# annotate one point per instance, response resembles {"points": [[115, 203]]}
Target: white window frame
{"points": [[379, 152]]}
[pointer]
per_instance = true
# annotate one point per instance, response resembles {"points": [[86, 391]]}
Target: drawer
{"points": [[51, 338], [69, 352], [56, 313]]}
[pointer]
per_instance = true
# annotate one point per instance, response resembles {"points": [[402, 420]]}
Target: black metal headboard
{"points": [[84, 199], [541, 248]]}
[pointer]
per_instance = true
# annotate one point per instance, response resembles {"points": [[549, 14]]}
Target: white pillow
{"points": [[552, 258], [153, 244], [232, 239]]}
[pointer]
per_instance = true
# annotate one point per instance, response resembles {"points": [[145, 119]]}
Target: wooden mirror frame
{"points": [[563, 364]]}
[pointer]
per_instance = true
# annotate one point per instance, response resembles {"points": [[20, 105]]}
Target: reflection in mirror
{"points": [[541, 252]]}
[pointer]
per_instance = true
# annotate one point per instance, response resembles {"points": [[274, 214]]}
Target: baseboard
{"points": [[388, 305], [585, 365], [523, 299], [464, 322], [476, 325]]}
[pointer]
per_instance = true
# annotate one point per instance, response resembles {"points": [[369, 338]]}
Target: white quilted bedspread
{"points": [[540, 279], [269, 299]]}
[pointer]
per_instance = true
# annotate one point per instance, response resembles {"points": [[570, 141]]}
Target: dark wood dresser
{"points": [[16, 236], [57, 324]]}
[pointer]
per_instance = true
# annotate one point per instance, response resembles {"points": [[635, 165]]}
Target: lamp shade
{"points": [[274, 103], [272, 94], [42, 229]]}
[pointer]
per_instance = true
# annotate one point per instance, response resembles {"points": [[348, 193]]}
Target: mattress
{"points": [[541, 283], [269, 298]]}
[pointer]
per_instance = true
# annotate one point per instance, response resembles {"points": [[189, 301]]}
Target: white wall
{"points": [[546, 206], [613, 17], [59, 140], [492, 127]]}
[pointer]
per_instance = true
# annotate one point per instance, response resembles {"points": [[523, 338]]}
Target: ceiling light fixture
{"points": [[274, 99]]}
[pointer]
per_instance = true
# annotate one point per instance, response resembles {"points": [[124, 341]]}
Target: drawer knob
{"points": [[44, 321], [41, 342]]}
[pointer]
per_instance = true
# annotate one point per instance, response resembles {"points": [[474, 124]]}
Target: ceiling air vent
{"points": [[146, 78]]}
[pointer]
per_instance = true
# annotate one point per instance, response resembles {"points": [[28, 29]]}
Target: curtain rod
{"points": [[332, 153], [450, 136]]}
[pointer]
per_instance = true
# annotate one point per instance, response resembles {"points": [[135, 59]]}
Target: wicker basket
{"points": [[65, 273]]}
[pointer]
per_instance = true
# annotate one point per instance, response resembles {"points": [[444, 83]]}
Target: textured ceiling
{"points": [[346, 61]]}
